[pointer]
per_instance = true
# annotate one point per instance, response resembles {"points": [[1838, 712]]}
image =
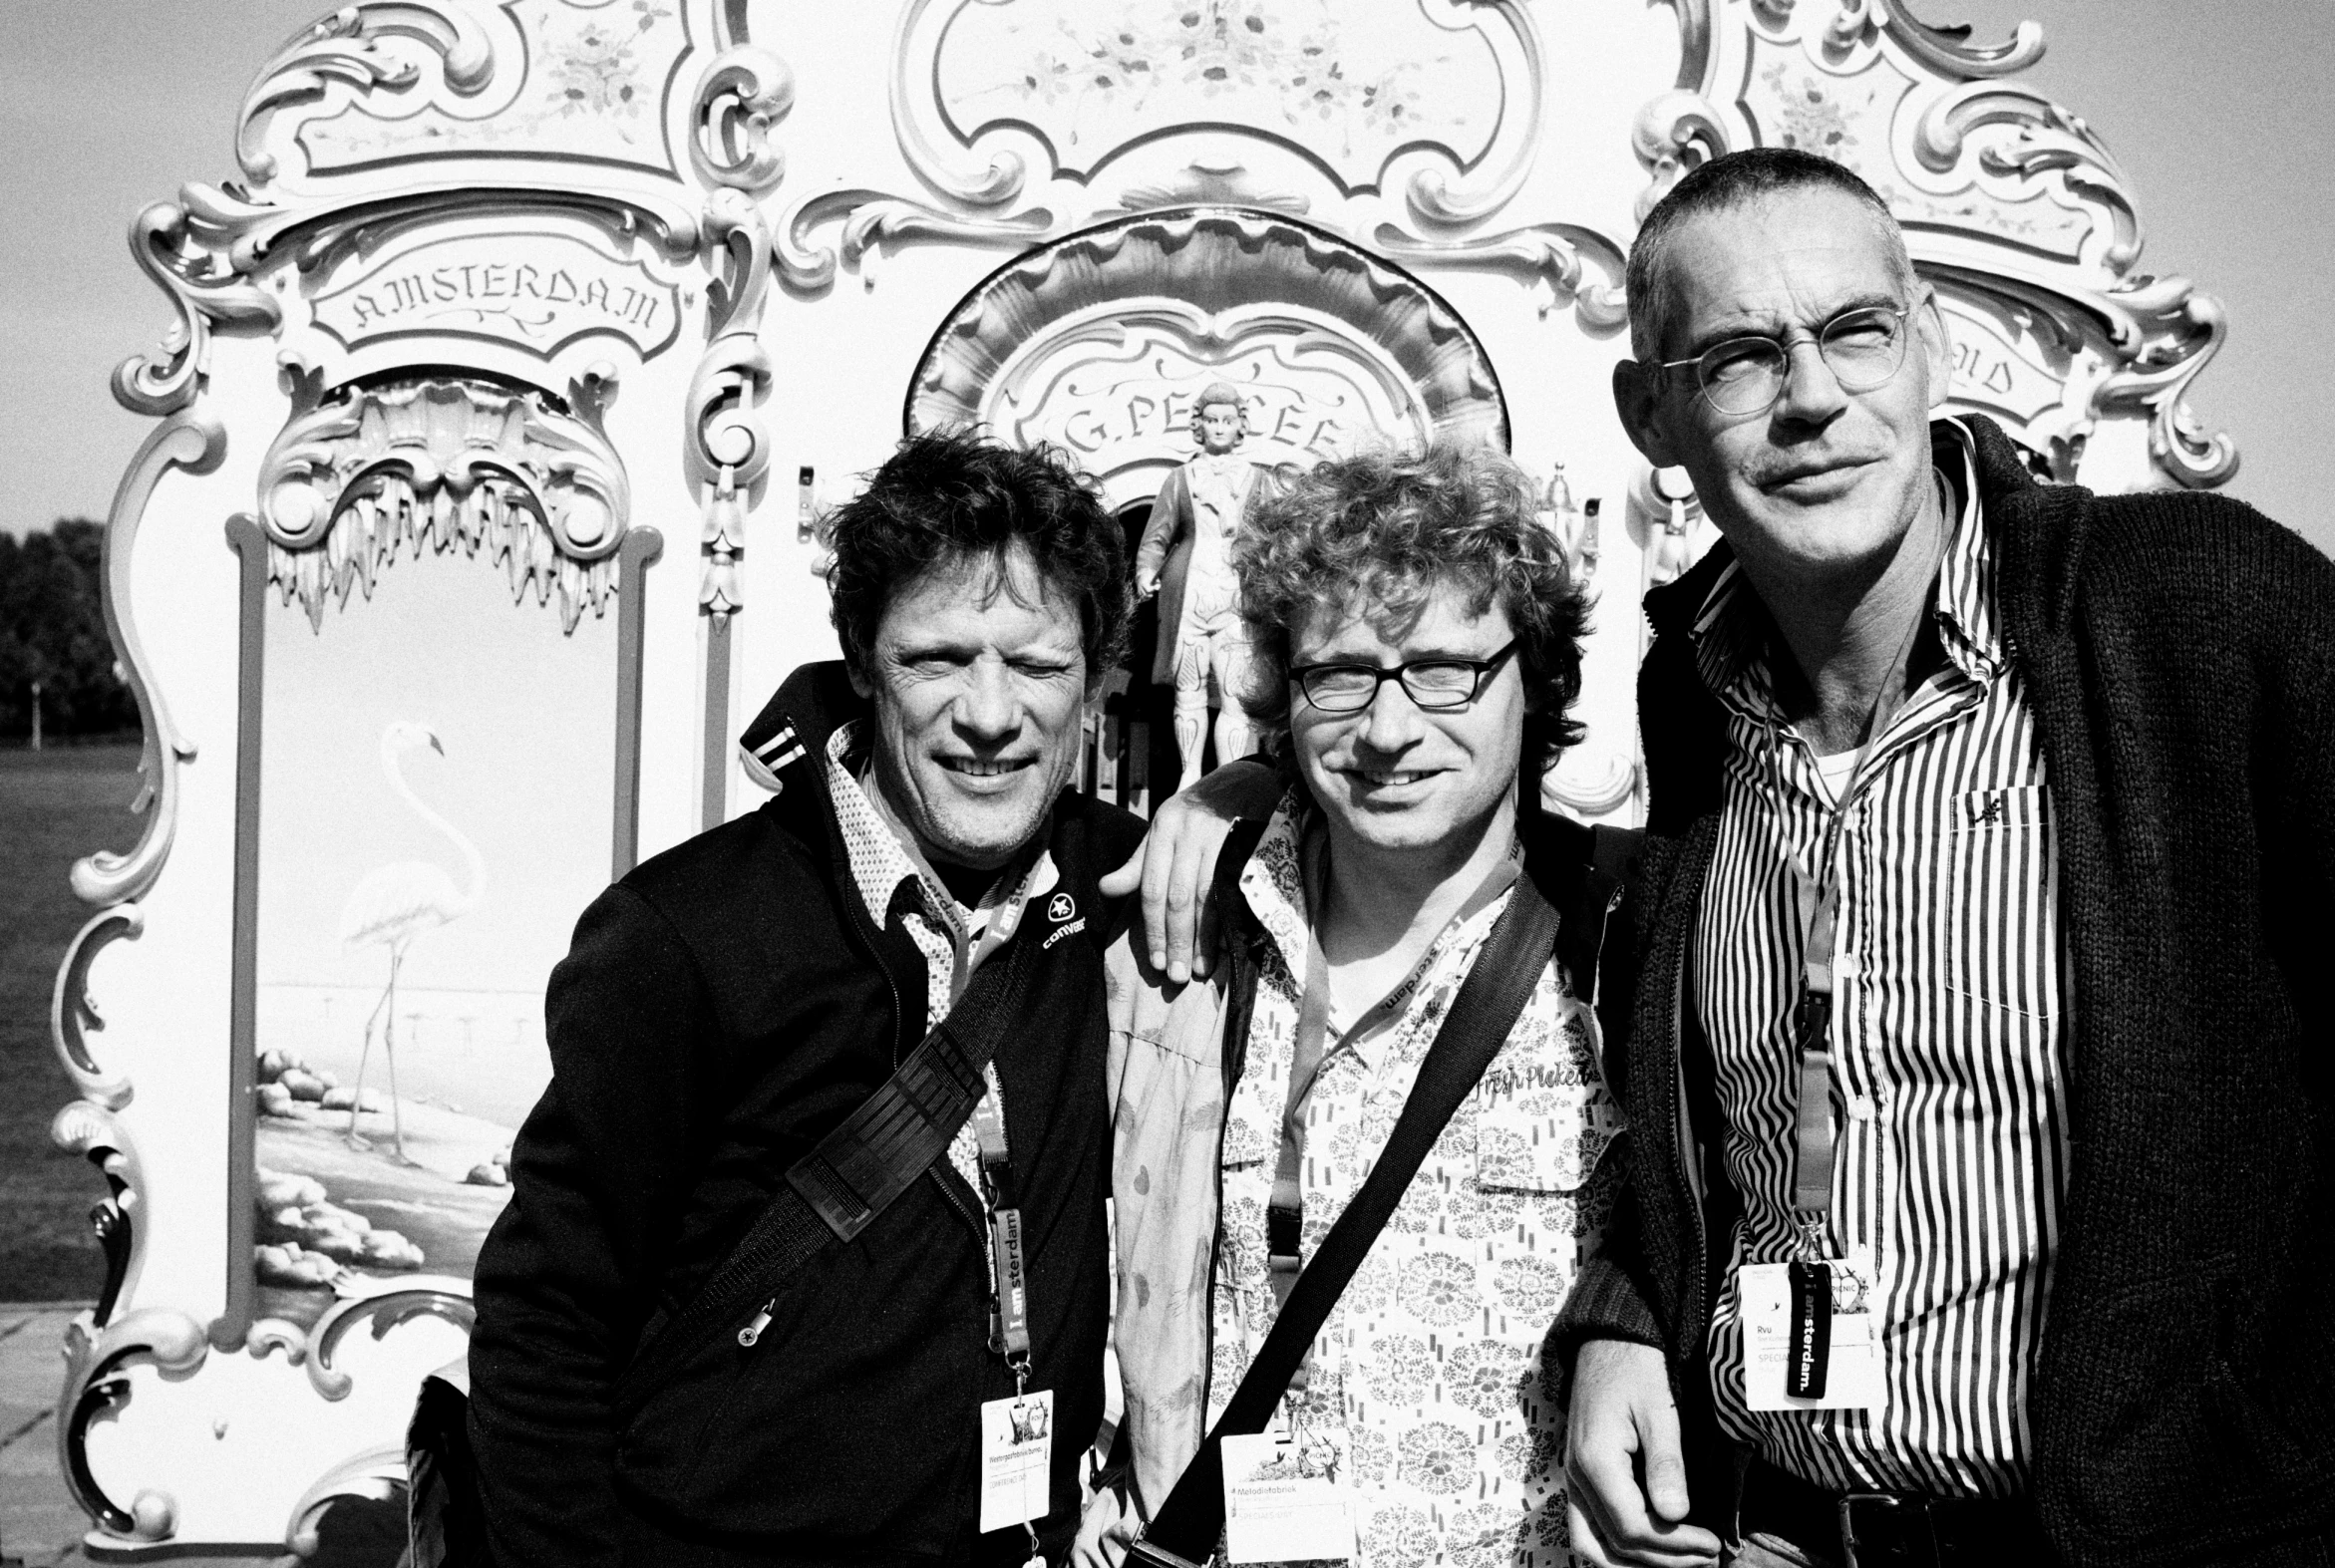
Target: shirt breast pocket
{"points": [[1543, 1116], [1997, 902]]}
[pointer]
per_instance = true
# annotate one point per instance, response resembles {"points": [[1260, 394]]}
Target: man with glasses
{"points": [[1982, 1179], [1416, 631]]}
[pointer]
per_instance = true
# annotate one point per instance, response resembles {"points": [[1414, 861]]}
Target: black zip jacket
{"points": [[723, 1007], [2179, 651]]}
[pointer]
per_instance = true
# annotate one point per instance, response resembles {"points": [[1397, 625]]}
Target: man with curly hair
{"points": [[1417, 639], [648, 1386]]}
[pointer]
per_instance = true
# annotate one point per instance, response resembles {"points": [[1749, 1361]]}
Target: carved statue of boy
{"points": [[1187, 558]]}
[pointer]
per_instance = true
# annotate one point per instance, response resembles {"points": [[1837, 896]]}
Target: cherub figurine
{"points": [[1187, 558]]}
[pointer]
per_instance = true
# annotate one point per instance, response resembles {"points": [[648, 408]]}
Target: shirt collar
{"points": [[881, 860], [1733, 631]]}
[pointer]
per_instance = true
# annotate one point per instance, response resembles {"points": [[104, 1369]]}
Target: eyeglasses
{"points": [[1435, 685], [1861, 348]]}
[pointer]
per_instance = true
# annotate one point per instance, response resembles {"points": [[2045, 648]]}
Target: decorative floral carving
{"points": [[443, 460], [1441, 102]]}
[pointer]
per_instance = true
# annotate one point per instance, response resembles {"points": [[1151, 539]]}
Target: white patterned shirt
{"points": [[1428, 1379], [1947, 1033], [937, 922]]}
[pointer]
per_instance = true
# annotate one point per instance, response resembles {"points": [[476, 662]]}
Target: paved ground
{"points": [[39, 1523]]}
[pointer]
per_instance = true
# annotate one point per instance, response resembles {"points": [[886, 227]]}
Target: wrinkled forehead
{"points": [[1793, 257]]}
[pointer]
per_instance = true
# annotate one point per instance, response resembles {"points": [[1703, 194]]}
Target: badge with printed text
{"points": [[1283, 1500], [1812, 1327], [1017, 1454]]}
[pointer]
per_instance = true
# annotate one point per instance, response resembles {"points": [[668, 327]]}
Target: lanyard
{"points": [[1284, 1215], [1009, 1303], [1817, 897]]}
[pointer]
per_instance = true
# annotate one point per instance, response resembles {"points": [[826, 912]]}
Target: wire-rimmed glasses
{"points": [[1437, 685], [1861, 348]]}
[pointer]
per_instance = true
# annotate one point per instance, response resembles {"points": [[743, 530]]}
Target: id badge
{"points": [[1283, 1501], [1840, 1353], [1017, 1454]]}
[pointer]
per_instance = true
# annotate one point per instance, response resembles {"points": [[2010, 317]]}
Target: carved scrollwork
{"points": [[207, 290], [871, 217], [729, 453], [1674, 133], [184, 441], [1578, 789], [1552, 254], [87, 1127], [1948, 50], [445, 461], [394, 1303], [350, 46], [2168, 333], [96, 1384], [73, 1015], [375, 1475], [2046, 139], [742, 95]]}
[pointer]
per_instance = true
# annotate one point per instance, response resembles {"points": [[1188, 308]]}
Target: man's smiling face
{"points": [[978, 675], [1392, 775], [1826, 478]]}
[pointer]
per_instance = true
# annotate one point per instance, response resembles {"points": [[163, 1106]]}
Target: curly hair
{"points": [[1394, 526], [1214, 395], [952, 496]]}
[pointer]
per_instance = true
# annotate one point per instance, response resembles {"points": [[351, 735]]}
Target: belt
{"points": [[1867, 1528]]}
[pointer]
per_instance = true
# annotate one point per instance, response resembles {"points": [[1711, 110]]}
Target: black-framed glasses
{"points": [[1435, 685], [1861, 348]]}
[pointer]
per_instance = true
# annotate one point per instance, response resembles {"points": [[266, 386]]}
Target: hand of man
{"points": [[1623, 1464], [1103, 1533], [1176, 864]]}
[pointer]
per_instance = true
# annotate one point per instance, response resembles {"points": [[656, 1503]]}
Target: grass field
{"points": [[55, 807]]}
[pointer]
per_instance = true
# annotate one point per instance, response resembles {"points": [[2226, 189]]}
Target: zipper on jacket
{"points": [[761, 1319]]}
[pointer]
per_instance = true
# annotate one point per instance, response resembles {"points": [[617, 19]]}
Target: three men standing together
{"points": [[1976, 1202]]}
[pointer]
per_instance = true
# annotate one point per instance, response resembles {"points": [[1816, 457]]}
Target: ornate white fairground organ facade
{"points": [[509, 376]]}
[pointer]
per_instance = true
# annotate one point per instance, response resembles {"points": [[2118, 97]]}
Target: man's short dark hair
{"points": [[953, 496], [1724, 183]]}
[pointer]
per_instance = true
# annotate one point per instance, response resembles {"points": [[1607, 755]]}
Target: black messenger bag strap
{"points": [[877, 1153], [1184, 1529]]}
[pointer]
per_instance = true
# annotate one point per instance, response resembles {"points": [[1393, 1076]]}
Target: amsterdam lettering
{"points": [[499, 280], [537, 292]]}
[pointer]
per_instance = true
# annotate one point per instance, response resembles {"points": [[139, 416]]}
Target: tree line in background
{"points": [[52, 631]]}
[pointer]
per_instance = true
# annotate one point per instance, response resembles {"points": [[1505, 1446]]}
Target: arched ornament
{"points": [[2011, 205], [1099, 341]]}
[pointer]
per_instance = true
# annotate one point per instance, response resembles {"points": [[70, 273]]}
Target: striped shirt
{"points": [[1947, 1033]]}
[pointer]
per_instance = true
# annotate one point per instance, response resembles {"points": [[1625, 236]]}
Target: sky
{"points": [[2215, 108]]}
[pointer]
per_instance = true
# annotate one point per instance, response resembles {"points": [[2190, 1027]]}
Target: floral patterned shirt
{"points": [[1426, 1380]]}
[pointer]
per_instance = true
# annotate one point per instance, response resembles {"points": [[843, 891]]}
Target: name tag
{"points": [[1831, 1348], [1017, 1454], [1283, 1501]]}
